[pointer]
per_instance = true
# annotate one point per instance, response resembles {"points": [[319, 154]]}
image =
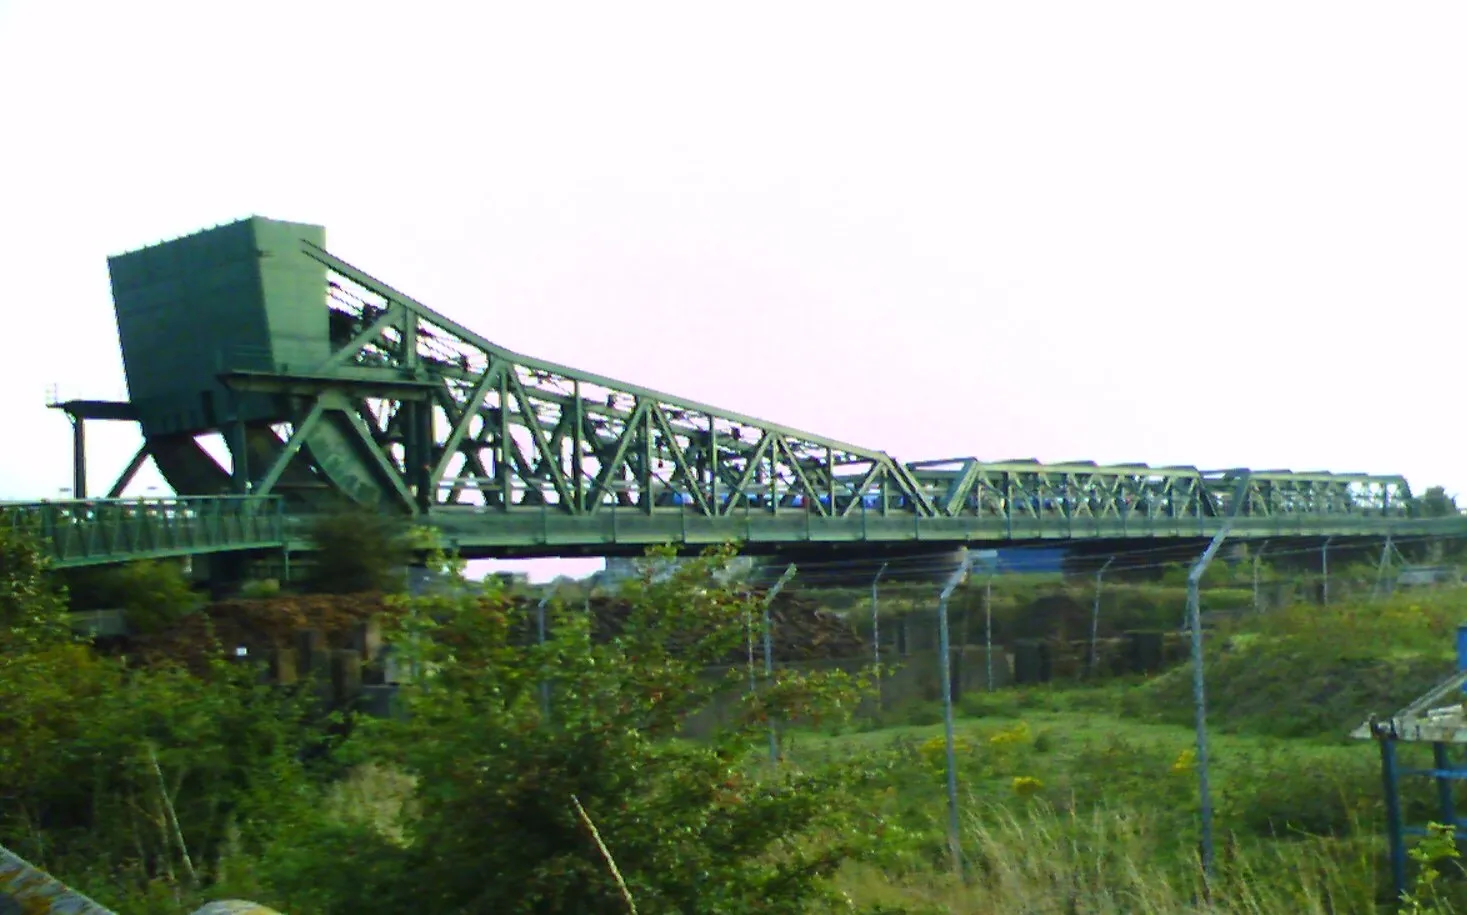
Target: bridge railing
{"points": [[87, 531]]}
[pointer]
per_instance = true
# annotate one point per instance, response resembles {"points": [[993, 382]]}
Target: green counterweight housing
{"points": [[213, 326]]}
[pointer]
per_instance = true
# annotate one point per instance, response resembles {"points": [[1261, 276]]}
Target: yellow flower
{"points": [[1185, 763], [1027, 785], [1017, 734]]}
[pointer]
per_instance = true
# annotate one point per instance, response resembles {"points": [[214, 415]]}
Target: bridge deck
{"points": [[95, 532]]}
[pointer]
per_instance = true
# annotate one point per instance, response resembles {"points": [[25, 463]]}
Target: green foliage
{"points": [[136, 783], [1425, 895], [1066, 805], [32, 610], [693, 826], [359, 550], [153, 595], [1218, 574], [1434, 503], [1312, 671], [260, 589]]}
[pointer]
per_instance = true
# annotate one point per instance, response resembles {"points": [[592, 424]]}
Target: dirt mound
{"points": [[1290, 688], [801, 630], [258, 623]]}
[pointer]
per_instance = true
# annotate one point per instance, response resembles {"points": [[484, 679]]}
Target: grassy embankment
{"points": [[1083, 798]]}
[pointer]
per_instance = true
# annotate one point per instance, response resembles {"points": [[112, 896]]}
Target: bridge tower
{"points": [[229, 331]]}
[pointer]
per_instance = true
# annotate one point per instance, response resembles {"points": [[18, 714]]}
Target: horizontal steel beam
{"points": [[106, 531]]}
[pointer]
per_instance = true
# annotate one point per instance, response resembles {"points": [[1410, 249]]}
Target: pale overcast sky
{"points": [[1176, 233]]}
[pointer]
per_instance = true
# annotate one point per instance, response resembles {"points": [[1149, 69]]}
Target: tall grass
{"points": [[1120, 861]]}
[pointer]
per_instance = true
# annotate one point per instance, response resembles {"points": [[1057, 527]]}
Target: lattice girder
{"points": [[511, 432], [1082, 490], [506, 432]]}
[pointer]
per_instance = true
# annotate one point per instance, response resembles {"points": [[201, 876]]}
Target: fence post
{"points": [[789, 572], [1095, 614], [1257, 561], [876, 633], [1385, 556], [1194, 616], [1324, 569], [944, 666], [541, 635], [988, 626]]}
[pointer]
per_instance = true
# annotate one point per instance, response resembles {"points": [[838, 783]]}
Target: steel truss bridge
{"points": [[330, 387]]}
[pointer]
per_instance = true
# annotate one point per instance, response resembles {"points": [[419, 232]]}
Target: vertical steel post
{"points": [[944, 667], [78, 457], [876, 632], [1194, 617], [1257, 562], [1095, 615], [1395, 828], [1462, 651], [1324, 569], [789, 572], [1442, 762], [541, 632], [1380, 569], [988, 627], [749, 642]]}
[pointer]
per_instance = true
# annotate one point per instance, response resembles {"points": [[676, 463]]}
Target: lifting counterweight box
{"points": [[238, 297]]}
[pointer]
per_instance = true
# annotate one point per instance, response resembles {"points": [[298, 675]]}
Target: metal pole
{"points": [[749, 639], [540, 629], [1095, 614], [876, 632], [1194, 616], [1324, 568], [988, 626], [78, 457], [1385, 557], [789, 572], [1257, 561], [1395, 827], [944, 662]]}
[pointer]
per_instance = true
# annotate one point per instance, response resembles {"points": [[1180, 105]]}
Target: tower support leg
{"points": [[78, 457]]}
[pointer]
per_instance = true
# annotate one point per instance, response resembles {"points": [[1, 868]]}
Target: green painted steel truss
{"points": [[505, 450], [511, 455]]}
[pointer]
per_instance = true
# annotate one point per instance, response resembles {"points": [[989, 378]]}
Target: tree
{"points": [[505, 794], [32, 610], [126, 780], [359, 550], [1434, 503]]}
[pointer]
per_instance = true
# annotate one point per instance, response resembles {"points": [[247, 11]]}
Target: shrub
{"points": [[705, 826], [358, 550]]}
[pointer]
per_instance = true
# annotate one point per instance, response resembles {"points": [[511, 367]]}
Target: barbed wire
{"points": [[890, 569]]}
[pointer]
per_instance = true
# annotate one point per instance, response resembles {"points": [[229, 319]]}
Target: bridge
{"points": [[331, 388]]}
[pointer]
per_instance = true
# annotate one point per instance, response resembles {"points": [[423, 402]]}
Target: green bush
{"points": [[135, 782], [692, 826], [359, 550]]}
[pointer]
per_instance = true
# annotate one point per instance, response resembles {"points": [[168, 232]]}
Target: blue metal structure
{"points": [[1438, 718]]}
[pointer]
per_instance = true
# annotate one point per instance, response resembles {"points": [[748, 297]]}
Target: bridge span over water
{"points": [[330, 387]]}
